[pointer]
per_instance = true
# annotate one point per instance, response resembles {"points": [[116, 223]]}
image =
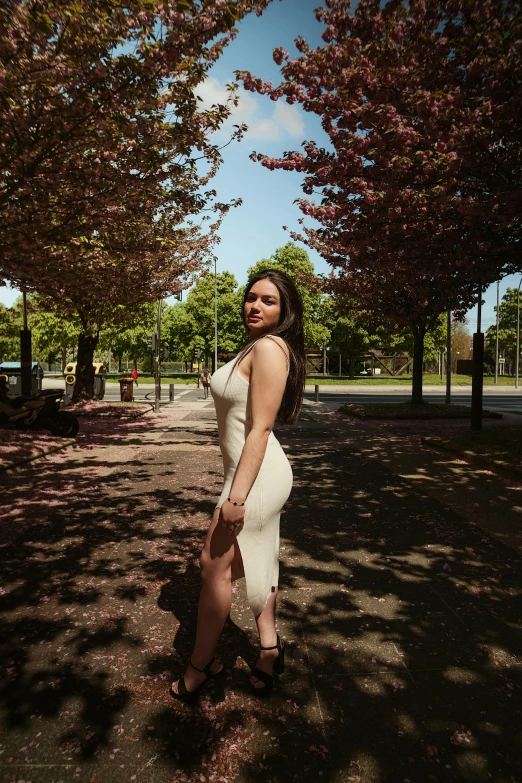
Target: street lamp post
{"points": [[496, 344], [518, 335], [477, 382], [448, 358], [157, 375], [26, 358]]}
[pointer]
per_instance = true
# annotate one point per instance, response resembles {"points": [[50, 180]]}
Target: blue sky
{"points": [[254, 230]]}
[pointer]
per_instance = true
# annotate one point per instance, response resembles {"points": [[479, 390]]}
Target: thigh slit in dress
{"points": [[258, 540]]}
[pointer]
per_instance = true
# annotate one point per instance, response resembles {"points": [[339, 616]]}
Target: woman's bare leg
{"points": [[220, 556], [266, 626]]}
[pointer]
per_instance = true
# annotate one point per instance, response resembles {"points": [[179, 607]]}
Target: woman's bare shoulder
{"points": [[270, 345], [278, 340], [271, 353]]}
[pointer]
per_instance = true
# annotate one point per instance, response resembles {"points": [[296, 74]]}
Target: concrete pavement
{"points": [[400, 602]]}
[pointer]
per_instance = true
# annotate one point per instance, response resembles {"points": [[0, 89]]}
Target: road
{"points": [[507, 403], [503, 398]]}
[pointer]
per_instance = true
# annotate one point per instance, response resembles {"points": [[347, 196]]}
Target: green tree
{"points": [[54, 332], [129, 338], [352, 338], [507, 323], [10, 325], [178, 330], [400, 339], [294, 261], [461, 347], [191, 324]]}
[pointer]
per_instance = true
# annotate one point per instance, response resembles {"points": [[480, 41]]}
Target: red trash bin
{"points": [[126, 389]]}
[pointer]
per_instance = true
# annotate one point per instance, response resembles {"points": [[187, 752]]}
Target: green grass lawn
{"points": [[501, 446], [405, 410]]}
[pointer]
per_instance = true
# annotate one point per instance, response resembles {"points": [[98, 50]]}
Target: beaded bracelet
{"points": [[234, 503]]}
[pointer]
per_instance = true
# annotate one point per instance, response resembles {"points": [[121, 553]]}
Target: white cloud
{"points": [[212, 91], [285, 119], [288, 117], [263, 129]]}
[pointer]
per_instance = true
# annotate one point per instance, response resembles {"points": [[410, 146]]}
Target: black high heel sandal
{"points": [[190, 696], [268, 679]]}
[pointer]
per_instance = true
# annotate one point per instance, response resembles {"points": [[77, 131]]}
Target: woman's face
{"points": [[262, 309]]}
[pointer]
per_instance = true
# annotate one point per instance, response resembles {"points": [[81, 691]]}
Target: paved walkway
{"points": [[400, 601]]}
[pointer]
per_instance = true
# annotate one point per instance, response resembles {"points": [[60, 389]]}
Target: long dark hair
{"points": [[290, 328]]}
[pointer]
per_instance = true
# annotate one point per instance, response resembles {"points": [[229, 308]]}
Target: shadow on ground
{"points": [[402, 619]]}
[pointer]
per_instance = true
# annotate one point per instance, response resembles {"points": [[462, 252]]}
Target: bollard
{"points": [[316, 392], [69, 391], [171, 392]]}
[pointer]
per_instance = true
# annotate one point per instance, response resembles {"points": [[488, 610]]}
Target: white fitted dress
{"points": [[258, 539]]}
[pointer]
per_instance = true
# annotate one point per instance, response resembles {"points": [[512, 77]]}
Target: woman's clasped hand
{"points": [[232, 517]]}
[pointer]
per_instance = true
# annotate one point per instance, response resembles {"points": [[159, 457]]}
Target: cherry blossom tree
{"points": [[86, 91], [110, 287], [105, 150], [420, 183]]}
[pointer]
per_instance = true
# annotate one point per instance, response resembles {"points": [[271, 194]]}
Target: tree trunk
{"points": [[64, 359], [119, 364], [351, 366], [418, 363], [84, 386]]}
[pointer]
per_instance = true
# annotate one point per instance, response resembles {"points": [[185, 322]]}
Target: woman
{"points": [[265, 381], [205, 382]]}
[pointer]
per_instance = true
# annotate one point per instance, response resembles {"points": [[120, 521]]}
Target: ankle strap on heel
{"points": [[206, 669], [276, 646]]}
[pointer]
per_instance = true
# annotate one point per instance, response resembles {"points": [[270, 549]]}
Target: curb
{"points": [[502, 468], [26, 460]]}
